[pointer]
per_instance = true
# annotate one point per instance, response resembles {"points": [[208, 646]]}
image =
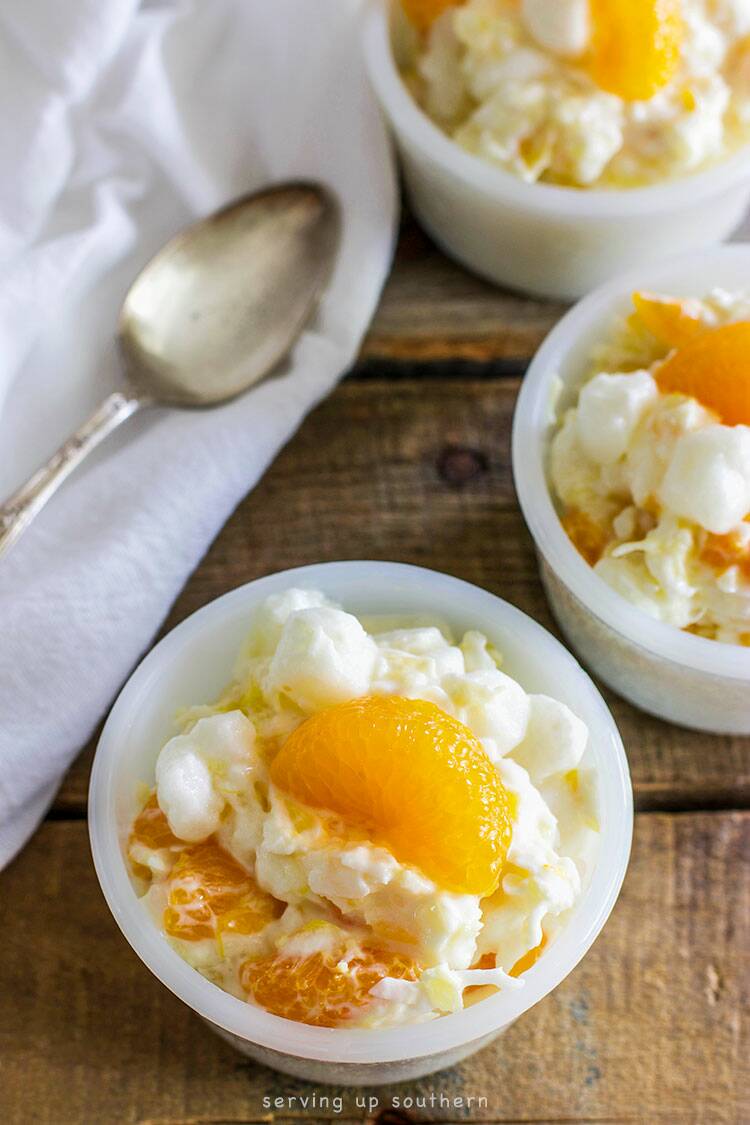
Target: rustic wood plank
{"points": [[433, 309], [419, 471], [647, 1029]]}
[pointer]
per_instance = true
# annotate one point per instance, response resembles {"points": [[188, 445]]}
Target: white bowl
{"points": [[552, 241], [688, 680], [194, 662]]}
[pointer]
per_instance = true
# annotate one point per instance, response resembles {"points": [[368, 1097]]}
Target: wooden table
{"points": [[409, 460]]}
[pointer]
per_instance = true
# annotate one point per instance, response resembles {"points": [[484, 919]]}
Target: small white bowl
{"points": [[194, 662], [551, 241], [689, 680]]}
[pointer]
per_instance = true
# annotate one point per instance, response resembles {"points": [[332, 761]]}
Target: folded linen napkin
{"points": [[120, 122]]}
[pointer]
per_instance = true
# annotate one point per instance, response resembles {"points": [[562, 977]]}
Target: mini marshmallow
{"points": [[272, 614], [555, 739], [417, 657], [560, 26], [185, 791], [708, 479], [324, 656], [491, 704], [609, 409], [195, 770], [653, 444]]}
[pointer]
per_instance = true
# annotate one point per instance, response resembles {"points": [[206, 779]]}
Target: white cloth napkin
{"points": [[119, 122]]}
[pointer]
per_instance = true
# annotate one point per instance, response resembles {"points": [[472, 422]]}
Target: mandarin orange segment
{"points": [[635, 45], [210, 892], [413, 778], [524, 963], [738, 58], [723, 551], [323, 989], [714, 368], [588, 538], [151, 828], [252, 914], [673, 322], [423, 13]]}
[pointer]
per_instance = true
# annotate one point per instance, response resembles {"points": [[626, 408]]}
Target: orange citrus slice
{"points": [[588, 538], [723, 551], [413, 778], [714, 368], [673, 322], [324, 989], [211, 893], [151, 828], [635, 46], [423, 13], [529, 959]]}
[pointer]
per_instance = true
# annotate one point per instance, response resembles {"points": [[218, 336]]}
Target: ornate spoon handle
{"points": [[19, 510]]}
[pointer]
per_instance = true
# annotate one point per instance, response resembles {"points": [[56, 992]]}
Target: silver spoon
{"points": [[211, 314]]}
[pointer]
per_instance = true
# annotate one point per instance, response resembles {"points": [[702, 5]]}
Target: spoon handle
{"points": [[19, 509]]}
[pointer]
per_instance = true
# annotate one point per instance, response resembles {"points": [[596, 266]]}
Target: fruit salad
{"points": [[651, 466], [585, 93], [374, 825]]}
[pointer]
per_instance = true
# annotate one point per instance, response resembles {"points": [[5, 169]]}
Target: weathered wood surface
{"points": [[433, 310], [419, 470], [648, 1029], [409, 460]]}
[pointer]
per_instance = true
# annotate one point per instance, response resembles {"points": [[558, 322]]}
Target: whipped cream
{"points": [[303, 654], [662, 485], [509, 82]]}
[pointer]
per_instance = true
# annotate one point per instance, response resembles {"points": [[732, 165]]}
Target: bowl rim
{"points": [[410, 121], [531, 429], [335, 1045]]}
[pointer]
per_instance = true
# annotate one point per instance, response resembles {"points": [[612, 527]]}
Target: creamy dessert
{"points": [[585, 93], [373, 826], [651, 466]]}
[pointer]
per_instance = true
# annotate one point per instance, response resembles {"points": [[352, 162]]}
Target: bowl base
{"points": [[352, 1073]]}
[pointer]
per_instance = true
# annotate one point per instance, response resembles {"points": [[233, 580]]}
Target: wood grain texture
{"points": [[432, 309], [419, 471], [649, 1028]]}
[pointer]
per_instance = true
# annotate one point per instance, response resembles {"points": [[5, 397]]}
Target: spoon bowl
{"points": [[217, 308], [212, 313]]}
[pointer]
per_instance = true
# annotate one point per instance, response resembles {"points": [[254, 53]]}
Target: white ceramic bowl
{"points": [[194, 662], [686, 679], [552, 241]]}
